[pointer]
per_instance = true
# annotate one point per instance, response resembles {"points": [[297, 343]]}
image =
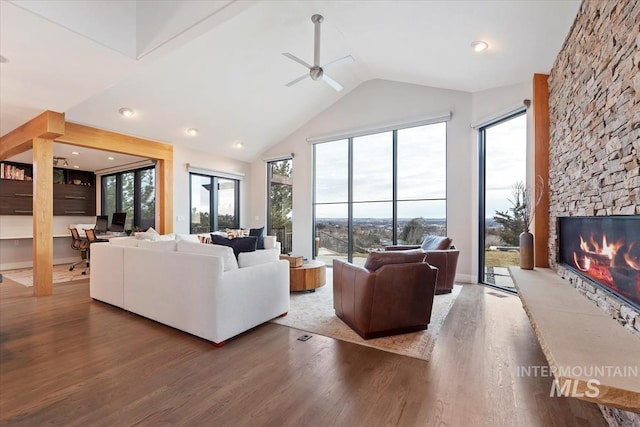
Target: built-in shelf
{"points": [[579, 339]]}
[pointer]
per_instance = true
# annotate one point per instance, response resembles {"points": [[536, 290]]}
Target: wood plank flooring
{"points": [[68, 360]]}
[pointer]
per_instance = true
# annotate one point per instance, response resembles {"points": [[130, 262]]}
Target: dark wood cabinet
{"points": [[69, 199], [16, 196]]}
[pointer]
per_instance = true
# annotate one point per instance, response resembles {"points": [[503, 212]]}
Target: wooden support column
{"points": [[541, 168], [165, 194], [42, 216]]}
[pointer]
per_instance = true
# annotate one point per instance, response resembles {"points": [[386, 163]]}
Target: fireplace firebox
{"points": [[605, 251]]}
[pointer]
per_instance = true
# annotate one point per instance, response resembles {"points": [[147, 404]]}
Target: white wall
{"points": [[376, 103], [219, 163]]}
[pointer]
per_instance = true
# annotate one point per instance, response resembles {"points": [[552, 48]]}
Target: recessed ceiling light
{"points": [[192, 131], [76, 167], [110, 158], [238, 145], [75, 153], [479, 45], [3, 59], [126, 112]]}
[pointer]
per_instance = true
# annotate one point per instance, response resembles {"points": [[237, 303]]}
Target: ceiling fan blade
{"points": [[344, 60], [299, 79], [298, 60], [334, 84]]}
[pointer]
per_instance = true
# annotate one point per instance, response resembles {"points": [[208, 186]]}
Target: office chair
{"points": [[82, 245]]}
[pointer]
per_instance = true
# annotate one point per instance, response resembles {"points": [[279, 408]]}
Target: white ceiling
{"points": [[217, 65]]}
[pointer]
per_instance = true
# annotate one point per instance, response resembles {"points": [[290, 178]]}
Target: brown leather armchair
{"points": [[440, 253], [392, 295]]}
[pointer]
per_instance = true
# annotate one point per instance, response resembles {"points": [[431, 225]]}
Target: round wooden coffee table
{"points": [[309, 277]]}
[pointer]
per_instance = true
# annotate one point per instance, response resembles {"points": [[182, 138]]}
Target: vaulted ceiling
{"points": [[217, 65]]}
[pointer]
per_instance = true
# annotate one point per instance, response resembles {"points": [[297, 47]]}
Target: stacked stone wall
{"points": [[594, 165]]}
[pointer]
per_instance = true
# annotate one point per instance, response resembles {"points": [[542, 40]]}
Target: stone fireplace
{"points": [[594, 147]]}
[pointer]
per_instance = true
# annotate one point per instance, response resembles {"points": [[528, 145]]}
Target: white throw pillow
{"points": [[261, 256], [226, 253], [165, 237], [164, 246], [149, 235]]}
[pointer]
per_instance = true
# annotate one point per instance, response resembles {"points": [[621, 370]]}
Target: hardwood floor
{"points": [[68, 360]]}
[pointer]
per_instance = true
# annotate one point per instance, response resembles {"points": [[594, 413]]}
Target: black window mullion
{"points": [[394, 190], [137, 199], [350, 201], [213, 201]]}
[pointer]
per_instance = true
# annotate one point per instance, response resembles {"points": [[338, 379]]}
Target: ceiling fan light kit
{"points": [[316, 72]]}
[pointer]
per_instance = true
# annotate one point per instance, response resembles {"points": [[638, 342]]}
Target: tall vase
{"points": [[526, 250]]}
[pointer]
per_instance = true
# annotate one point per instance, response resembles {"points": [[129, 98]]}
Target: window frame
{"points": [[394, 201], [137, 189], [213, 200]]}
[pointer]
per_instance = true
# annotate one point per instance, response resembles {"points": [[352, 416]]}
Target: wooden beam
{"points": [[541, 168], [47, 125], [42, 217], [99, 139], [164, 196]]}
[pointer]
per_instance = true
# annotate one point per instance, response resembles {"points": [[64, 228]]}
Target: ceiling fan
{"points": [[316, 71]]}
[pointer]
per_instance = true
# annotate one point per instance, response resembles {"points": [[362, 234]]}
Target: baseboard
{"points": [[29, 264], [465, 278]]}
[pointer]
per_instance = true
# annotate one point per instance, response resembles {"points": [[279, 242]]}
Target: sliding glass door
{"points": [[280, 197], [503, 166], [214, 203]]}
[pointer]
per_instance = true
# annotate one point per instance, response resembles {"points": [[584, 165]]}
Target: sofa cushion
{"points": [[124, 241], [259, 234], [160, 245], [226, 253], [375, 260], [242, 244], [187, 237], [165, 237], [262, 256], [435, 243]]}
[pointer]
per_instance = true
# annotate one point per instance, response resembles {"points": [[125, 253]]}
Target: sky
{"points": [[506, 149], [421, 158]]}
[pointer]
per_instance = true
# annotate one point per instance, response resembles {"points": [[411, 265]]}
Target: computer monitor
{"points": [[117, 222], [102, 222]]}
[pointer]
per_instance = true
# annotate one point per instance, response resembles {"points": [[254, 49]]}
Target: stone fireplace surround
{"points": [[594, 147]]}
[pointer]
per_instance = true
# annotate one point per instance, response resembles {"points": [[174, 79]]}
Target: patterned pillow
{"points": [[235, 233]]}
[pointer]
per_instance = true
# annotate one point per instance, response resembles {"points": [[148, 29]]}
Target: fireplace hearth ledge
{"points": [[576, 335]]}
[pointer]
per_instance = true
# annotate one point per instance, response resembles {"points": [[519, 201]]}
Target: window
{"points": [[133, 192], [377, 190], [503, 165], [280, 209], [214, 203]]}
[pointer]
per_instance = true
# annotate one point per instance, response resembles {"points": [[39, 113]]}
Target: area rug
{"points": [[313, 312], [61, 274]]}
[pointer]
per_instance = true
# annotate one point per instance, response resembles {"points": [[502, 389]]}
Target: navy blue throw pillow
{"points": [[240, 244], [259, 233]]}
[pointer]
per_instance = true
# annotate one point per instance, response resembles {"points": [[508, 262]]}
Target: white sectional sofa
{"points": [[197, 288]]}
